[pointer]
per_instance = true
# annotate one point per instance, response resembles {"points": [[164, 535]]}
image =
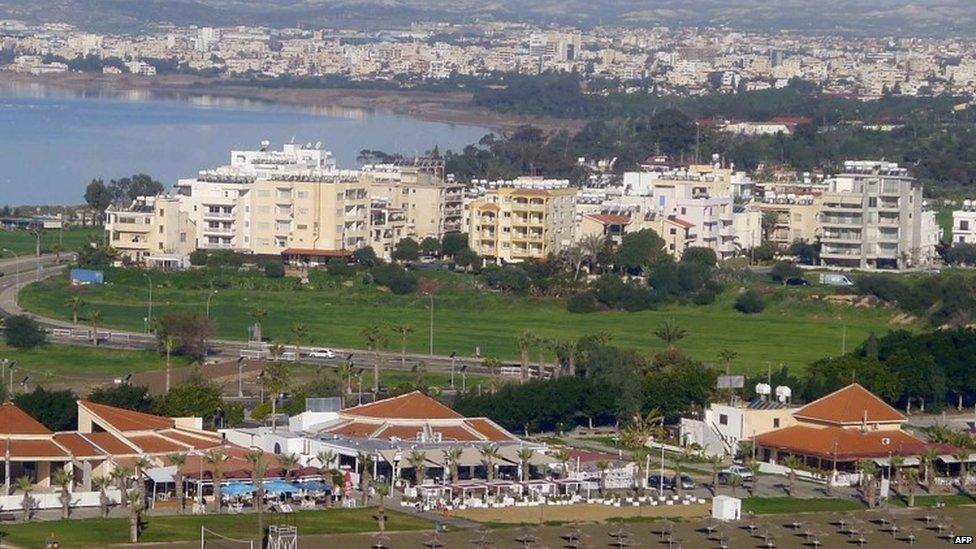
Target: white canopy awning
{"points": [[161, 475], [908, 461], [949, 458]]}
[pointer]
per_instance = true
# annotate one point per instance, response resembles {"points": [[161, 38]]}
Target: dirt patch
{"points": [[580, 513]]}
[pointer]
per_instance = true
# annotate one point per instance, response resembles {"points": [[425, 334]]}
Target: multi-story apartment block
{"points": [[790, 217], [528, 218], [873, 216], [151, 230], [964, 223]]}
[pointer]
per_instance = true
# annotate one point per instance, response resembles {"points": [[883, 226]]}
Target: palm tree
{"points": [[603, 465], [562, 457], [525, 342], [346, 370], [575, 256], [911, 479], [26, 486], [121, 475], [418, 461], [169, 345], [326, 459], [679, 463], [299, 333], [716, 462], [962, 456], [868, 472], [288, 462], [403, 331], [276, 379], [178, 459], [74, 303], [258, 314], [642, 428], [640, 459], [140, 464], [489, 456], [365, 463], [525, 454], [895, 465], [216, 459], [670, 333], [374, 339], [382, 490], [258, 470], [734, 482], [101, 484], [63, 479], [754, 484], [95, 319], [928, 462], [452, 456], [591, 246], [136, 506], [792, 463], [542, 343]]}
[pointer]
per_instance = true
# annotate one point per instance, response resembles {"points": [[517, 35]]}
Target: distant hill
{"points": [[914, 17]]}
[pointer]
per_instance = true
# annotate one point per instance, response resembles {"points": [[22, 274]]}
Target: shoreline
{"points": [[443, 107]]}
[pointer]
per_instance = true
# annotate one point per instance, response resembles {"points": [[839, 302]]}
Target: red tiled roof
{"points": [[610, 219], [194, 440], [110, 443], [415, 405], [155, 444], [355, 429], [14, 421], [681, 222], [489, 430], [850, 444], [127, 420], [849, 406], [408, 432], [454, 433], [35, 449], [78, 445]]}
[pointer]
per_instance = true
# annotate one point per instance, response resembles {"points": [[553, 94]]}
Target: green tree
{"points": [[524, 456], [136, 507], [259, 469], [640, 250], [277, 377], [452, 243], [98, 198], [102, 484], [23, 332], [373, 337], [489, 457], [868, 481], [418, 462], [178, 459], [63, 479], [216, 459], [195, 398], [430, 246], [406, 249], [56, 410], [75, 303], [26, 486], [299, 333], [404, 331], [670, 333], [525, 341], [792, 463]]}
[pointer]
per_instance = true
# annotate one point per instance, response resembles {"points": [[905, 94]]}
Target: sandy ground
{"points": [[452, 107], [579, 513]]}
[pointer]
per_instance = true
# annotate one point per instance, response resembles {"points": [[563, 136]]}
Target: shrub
{"points": [[636, 298], [198, 258], [510, 278], [23, 332], [582, 303], [365, 256], [406, 250], [338, 267], [749, 302], [394, 277], [705, 296], [274, 269], [699, 254], [784, 270]]}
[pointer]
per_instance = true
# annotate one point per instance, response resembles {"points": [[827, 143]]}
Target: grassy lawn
{"points": [[102, 532], [787, 505], [794, 329], [22, 242], [67, 362]]}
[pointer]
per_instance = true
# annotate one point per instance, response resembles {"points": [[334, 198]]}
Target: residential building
{"points": [[528, 218], [151, 228], [788, 217], [964, 223], [873, 216], [724, 426]]}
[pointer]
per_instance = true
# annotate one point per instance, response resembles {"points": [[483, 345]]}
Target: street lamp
{"points": [[149, 313], [453, 356], [240, 377], [209, 297], [16, 274], [464, 378], [431, 347], [10, 393]]}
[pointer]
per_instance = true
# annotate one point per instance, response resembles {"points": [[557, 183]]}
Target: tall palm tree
{"points": [[489, 456], [716, 462], [928, 462], [640, 459], [140, 464], [136, 507], [95, 319], [169, 345], [299, 333], [792, 463], [418, 461], [101, 484], [365, 462], [524, 455], [26, 486], [178, 459], [403, 331], [542, 343], [259, 314], [525, 342], [63, 479], [382, 490], [670, 333], [575, 257], [679, 461], [258, 470], [895, 465], [562, 457], [868, 472], [452, 457], [374, 339], [911, 479], [216, 459], [642, 428], [121, 475], [276, 379], [75, 303], [288, 462], [592, 245], [327, 462], [962, 456]]}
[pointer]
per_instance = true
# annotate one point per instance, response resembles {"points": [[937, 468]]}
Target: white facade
{"points": [[964, 224]]}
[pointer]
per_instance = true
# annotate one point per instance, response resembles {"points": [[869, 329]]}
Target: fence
{"points": [[53, 500]]}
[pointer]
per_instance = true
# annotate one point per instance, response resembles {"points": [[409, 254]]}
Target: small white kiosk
{"points": [[726, 508]]}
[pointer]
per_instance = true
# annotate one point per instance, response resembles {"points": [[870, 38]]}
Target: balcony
{"points": [[840, 221], [218, 215], [227, 231]]}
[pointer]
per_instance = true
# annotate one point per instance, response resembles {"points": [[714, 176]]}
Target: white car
{"points": [[322, 353], [740, 471]]}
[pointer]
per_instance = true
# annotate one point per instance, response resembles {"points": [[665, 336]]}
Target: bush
{"points": [[407, 249], [274, 269], [784, 270], [394, 277], [749, 302], [636, 298], [582, 303], [698, 254], [23, 332], [705, 296], [365, 256], [198, 258], [338, 267], [224, 258], [510, 278], [764, 252]]}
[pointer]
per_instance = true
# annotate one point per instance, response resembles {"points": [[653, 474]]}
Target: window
{"points": [[723, 419], [873, 202], [964, 225], [775, 423], [673, 231]]}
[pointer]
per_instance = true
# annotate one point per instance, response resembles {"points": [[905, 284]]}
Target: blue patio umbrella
{"points": [[279, 487], [237, 488], [315, 486]]}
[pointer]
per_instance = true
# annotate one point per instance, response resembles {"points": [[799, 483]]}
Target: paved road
{"points": [[221, 349]]}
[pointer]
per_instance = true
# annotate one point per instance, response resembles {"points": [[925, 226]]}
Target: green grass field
{"points": [[787, 505], [23, 243], [67, 363], [793, 330], [104, 532]]}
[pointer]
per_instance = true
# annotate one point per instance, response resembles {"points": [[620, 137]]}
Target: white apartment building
{"points": [[873, 216], [151, 230], [964, 223]]}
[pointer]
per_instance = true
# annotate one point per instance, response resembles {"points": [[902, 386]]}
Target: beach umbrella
{"points": [[237, 488], [279, 487]]}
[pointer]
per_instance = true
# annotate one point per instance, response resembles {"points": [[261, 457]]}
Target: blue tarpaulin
{"points": [[87, 276]]}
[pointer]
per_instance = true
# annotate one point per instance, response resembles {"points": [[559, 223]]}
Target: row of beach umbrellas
{"points": [[275, 487]]}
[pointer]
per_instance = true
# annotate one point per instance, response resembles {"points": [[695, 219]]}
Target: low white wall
{"points": [[53, 501], [775, 469]]}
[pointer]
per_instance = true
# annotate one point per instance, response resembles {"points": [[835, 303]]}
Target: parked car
{"points": [[322, 353], [740, 471], [660, 483], [796, 281]]}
